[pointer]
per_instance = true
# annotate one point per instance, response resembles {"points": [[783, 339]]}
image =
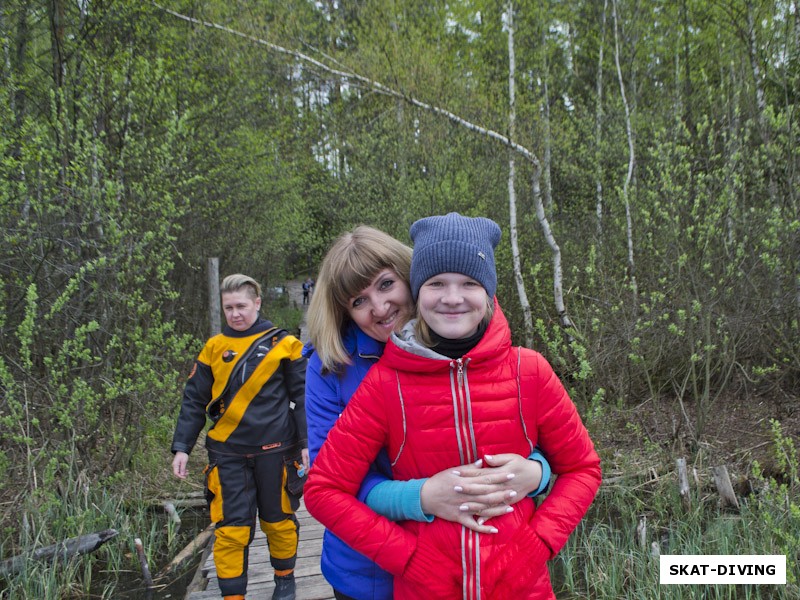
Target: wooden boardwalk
{"points": [[311, 585]]}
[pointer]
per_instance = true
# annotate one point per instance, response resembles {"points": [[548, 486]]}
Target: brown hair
{"points": [[352, 262]]}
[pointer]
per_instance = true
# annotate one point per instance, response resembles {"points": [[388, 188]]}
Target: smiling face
{"points": [[383, 306], [453, 305], [241, 309]]}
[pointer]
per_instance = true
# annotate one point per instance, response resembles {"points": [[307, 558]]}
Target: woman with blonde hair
{"points": [[465, 393], [362, 296]]}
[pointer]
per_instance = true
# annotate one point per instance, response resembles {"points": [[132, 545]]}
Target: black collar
{"points": [[456, 348]]}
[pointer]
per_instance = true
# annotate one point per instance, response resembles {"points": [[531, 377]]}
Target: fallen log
{"points": [[187, 500], [198, 543], [83, 544]]}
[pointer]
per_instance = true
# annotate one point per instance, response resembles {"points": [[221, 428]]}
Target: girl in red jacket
{"points": [[451, 389]]}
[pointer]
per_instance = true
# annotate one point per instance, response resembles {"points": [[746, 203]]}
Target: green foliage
{"points": [[91, 508], [135, 145], [776, 500], [604, 557]]}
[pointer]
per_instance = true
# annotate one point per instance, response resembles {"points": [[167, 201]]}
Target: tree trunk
{"points": [[512, 193], [380, 88], [548, 186], [761, 101], [598, 130], [59, 68], [18, 97], [215, 324], [631, 160]]}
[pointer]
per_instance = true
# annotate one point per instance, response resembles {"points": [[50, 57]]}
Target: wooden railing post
{"points": [[213, 296], [683, 482]]}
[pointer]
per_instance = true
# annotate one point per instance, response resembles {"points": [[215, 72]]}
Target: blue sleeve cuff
{"points": [[372, 479], [539, 457], [398, 500]]}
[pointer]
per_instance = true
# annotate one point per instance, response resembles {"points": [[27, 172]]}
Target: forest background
{"points": [[640, 155]]}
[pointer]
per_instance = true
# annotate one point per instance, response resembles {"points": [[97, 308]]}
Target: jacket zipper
{"points": [[463, 410], [471, 540]]}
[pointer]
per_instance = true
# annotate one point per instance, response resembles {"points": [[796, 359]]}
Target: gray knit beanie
{"points": [[454, 244]]}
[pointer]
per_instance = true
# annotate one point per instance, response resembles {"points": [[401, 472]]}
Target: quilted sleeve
{"points": [[323, 404], [337, 473], [563, 438]]}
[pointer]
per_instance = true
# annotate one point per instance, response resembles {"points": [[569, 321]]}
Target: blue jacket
{"points": [[327, 394]]}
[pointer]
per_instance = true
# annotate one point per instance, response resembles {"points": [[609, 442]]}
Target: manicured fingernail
{"points": [[481, 521], [510, 476], [512, 494], [509, 509], [456, 473], [458, 488], [493, 530], [488, 457], [463, 507], [479, 462]]}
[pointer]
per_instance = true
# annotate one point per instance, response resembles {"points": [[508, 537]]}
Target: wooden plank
{"points": [[723, 482], [197, 544], [258, 551], [262, 569], [311, 585], [308, 588]]}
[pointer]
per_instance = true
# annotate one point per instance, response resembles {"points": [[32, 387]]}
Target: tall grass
{"points": [[82, 509], [605, 559]]}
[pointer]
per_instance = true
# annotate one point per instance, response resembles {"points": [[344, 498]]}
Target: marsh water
{"points": [[130, 583]]}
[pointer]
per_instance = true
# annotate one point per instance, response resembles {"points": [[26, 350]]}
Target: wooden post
{"points": [[655, 549], [213, 296], [641, 531], [723, 482], [169, 507], [148, 579], [683, 482]]}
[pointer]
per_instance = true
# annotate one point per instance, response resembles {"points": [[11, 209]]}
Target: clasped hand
{"points": [[474, 493]]}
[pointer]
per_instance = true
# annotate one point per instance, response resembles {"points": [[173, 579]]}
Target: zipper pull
{"points": [[460, 373]]}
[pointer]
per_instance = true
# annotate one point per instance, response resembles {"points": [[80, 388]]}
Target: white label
{"points": [[722, 568]]}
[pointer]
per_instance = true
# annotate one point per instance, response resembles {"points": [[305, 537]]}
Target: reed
{"points": [[605, 557], [111, 569]]}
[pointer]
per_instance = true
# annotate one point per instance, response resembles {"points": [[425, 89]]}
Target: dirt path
{"points": [[295, 290]]}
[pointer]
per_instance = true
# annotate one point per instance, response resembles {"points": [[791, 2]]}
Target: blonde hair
{"points": [[422, 330], [350, 265], [237, 281]]}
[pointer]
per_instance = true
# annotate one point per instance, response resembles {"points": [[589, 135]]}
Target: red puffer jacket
{"points": [[431, 413]]}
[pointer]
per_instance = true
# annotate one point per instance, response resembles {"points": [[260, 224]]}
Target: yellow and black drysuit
{"points": [[251, 384]]}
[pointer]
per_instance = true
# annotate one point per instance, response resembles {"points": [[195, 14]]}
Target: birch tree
{"points": [[598, 127], [631, 159], [374, 85], [512, 193]]}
